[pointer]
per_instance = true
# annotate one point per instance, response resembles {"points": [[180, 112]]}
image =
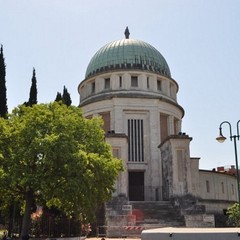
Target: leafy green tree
{"points": [[51, 155], [3, 89], [233, 214], [66, 97]]}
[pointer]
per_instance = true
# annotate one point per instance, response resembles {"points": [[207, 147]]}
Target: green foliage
{"points": [[233, 213], [51, 152], [3, 89]]}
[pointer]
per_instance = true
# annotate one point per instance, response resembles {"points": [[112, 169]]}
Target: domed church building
{"points": [[129, 84]]}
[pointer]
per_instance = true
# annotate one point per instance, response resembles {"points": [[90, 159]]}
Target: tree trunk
{"points": [[27, 215], [10, 225]]}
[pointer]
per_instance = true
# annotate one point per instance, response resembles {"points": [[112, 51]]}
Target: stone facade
{"points": [[176, 166], [137, 99], [144, 104], [217, 186]]}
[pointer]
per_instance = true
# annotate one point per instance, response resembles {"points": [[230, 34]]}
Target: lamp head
{"points": [[221, 138]]}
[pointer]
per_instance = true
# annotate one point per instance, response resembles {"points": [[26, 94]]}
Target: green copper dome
{"points": [[128, 54]]}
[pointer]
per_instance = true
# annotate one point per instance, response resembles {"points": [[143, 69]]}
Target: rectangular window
{"points": [[180, 164], [107, 83], [222, 184], [135, 140], [163, 126], [175, 126], [106, 120], [171, 89], [120, 81], [93, 87], [116, 153], [207, 186], [232, 189], [147, 82], [159, 85], [134, 81]]}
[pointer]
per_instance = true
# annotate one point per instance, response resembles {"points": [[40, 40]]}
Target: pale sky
{"points": [[200, 40]]}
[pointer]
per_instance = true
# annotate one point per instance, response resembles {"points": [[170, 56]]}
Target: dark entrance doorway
{"points": [[136, 186]]}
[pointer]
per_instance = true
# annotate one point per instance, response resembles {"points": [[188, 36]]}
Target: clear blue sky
{"points": [[200, 39]]}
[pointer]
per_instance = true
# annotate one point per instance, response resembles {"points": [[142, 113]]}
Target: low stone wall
{"points": [[200, 220], [214, 206]]}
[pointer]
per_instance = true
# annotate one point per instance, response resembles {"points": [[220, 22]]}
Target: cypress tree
{"points": [[66, 97], [33, 91], [58, 97], [3, 89]]}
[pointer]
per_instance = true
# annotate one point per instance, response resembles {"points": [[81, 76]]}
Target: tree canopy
{"points": [[50, 154], [233, 213], [3, 89]]}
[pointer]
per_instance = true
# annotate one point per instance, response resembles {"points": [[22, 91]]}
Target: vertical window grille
{"points": [[135, 140]]}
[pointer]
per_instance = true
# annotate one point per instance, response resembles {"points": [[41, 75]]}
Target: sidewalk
{"points": [[128, 238]]}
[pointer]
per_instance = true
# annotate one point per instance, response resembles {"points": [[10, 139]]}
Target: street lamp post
{"points": [[221, 139]]}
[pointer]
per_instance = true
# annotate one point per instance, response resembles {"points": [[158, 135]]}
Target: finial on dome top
{"points": [[127, 33]]}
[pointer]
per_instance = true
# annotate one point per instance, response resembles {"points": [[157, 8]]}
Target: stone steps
{"points": [[156, 214]]}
